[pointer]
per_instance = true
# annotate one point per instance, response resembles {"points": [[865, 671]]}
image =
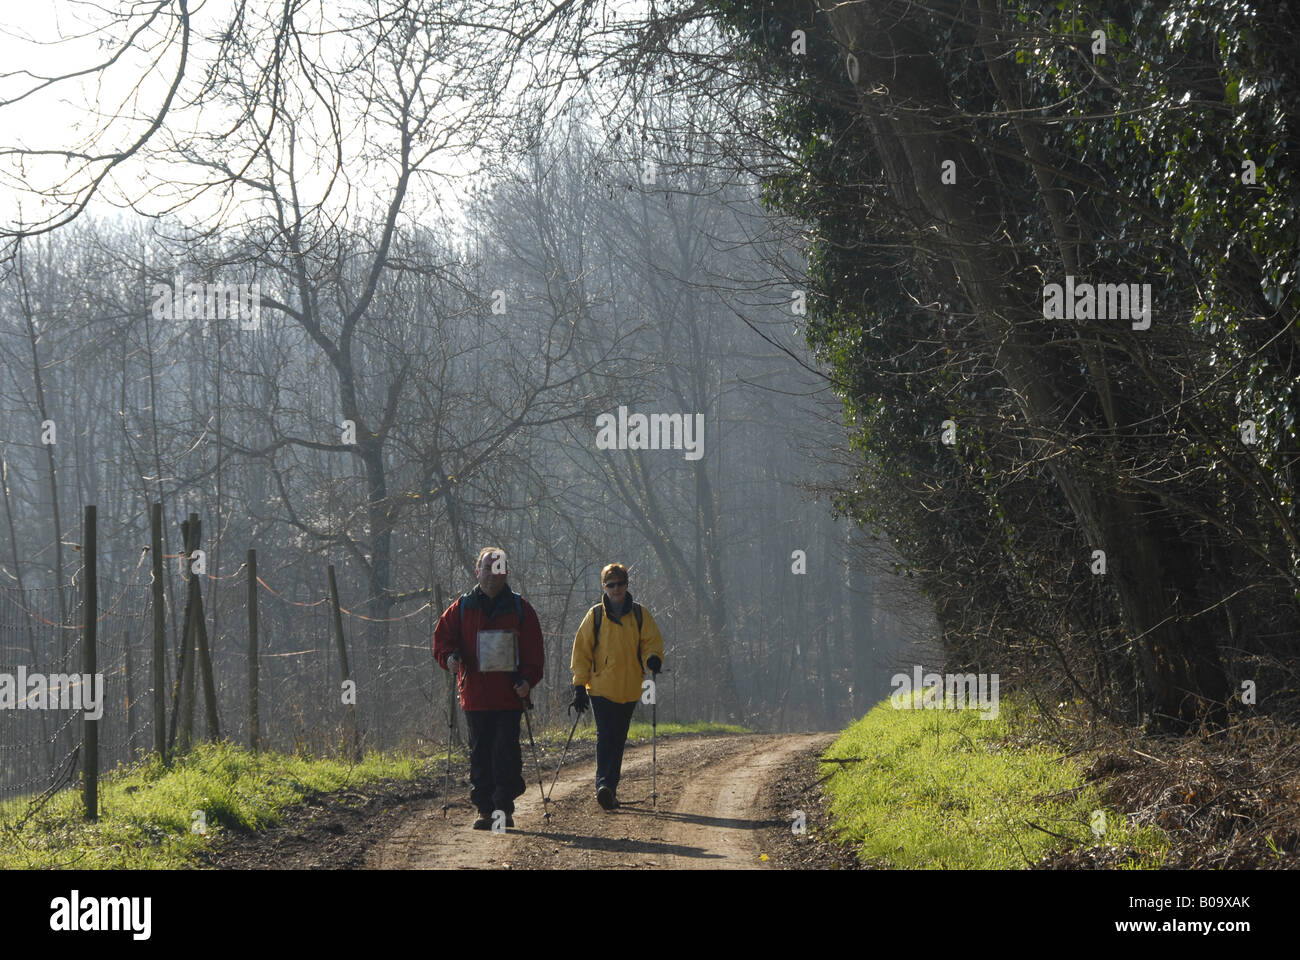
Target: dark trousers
{"points": [[496, 760], [612, 721]]}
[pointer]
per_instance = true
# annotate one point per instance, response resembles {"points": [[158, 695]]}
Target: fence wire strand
{"points": [[399, 695]]}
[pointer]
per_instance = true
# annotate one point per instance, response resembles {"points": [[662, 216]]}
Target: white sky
{"points": [[110, 108]]}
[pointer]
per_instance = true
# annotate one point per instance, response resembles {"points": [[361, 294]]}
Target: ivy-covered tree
{"points": [[1097, 506]]}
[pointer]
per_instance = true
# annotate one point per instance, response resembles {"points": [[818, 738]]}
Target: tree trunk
{"points": [[901, 93]]}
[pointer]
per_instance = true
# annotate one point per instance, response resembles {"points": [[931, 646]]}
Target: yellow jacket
{"points": [[616, 675]]}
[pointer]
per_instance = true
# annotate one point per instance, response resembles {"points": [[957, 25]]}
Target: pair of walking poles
{"points": [[546, 797], [451, 729], [654, 757]]}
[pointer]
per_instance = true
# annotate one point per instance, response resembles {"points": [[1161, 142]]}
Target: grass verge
{"points": [[945, 789], [155, 817]]}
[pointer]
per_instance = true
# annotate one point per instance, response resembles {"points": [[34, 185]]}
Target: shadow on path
{"points": [[730, 823], [613, 845]]}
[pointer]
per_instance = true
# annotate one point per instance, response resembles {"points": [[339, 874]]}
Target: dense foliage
{"points": [[1128, 165]]}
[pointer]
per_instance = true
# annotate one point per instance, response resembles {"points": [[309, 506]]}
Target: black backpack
{"points": [[598, 615]]}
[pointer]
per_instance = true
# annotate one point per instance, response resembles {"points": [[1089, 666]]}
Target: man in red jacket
{"points": [[492, 639]]}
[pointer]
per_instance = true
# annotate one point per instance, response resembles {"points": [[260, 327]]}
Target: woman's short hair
{"points": [[612, 568]]}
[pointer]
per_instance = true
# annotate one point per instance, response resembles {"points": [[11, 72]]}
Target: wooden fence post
{"points": [[343, 658], [89, 627], [199, 624], [187, 652], [205, 663], [254, 723], [159, 633], [178, 686]]}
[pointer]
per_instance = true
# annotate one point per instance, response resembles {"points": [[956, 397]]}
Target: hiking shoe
{"points": [[482, 823], [605, 797]]}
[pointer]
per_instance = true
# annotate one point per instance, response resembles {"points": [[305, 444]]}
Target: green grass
{"points": [[148, 811], [945, 789]]}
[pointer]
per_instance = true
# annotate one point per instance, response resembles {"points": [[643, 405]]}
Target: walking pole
{"points": [[654, 757], [572, 731], [654, 739], [546, 813]]}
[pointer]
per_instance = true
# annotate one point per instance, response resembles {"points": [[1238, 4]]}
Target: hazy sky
{"points": [[109, 108]]}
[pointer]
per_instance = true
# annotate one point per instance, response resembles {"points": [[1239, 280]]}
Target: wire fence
{"points": [[37, 746], [301, 696], [400, 696]]}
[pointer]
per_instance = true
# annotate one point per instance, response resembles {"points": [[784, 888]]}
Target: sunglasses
{"points": [[616, 583]]}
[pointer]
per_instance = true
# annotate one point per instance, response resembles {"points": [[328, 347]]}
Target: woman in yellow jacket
{"points": [[616, 643]]}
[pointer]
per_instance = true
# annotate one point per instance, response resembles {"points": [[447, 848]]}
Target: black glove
{"points": [[654, 663], [580, 700]]}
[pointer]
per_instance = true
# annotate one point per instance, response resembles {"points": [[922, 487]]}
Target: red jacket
{"points": [[454, 634]]}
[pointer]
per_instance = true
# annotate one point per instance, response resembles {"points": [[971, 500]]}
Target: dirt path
{"points": [[710, 814]]}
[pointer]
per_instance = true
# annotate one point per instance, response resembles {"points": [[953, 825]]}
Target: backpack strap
{"points": [[460, 614], [519, 612], [636, 612]]}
